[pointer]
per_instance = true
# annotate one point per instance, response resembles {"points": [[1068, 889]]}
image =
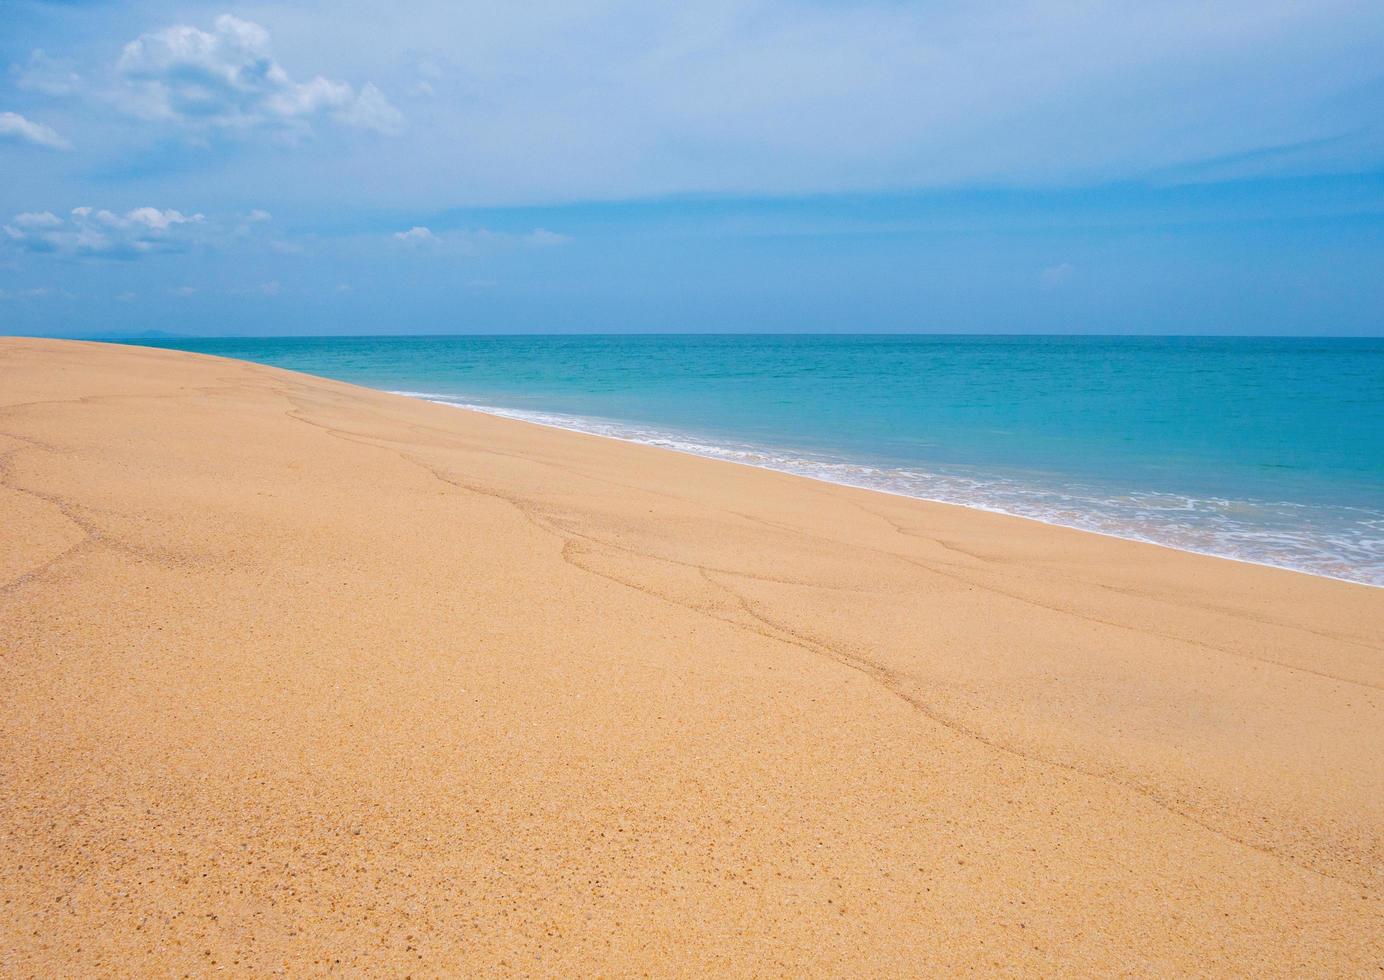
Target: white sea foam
{"points": [[1337, 542]]}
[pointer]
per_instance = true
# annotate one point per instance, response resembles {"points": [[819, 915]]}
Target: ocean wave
{"points": [[1333, 541]]}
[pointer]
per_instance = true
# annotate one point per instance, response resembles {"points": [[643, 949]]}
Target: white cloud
{"points": [[150, 218], [46, 75], [13, 126], [37, 219], [228, 79], [417, 235], [102, 233], [89, 232], [1057, 275], [478, 240], [371, 110]]}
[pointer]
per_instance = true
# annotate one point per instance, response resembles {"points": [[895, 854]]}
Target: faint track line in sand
{"points": [[996, 591], [93, 537], [892, 682], [937, 567], [886, 678], [1217, 610], [830, 490], [89, 536]]}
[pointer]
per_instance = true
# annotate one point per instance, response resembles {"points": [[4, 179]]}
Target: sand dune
{"points": [[299, 676]]}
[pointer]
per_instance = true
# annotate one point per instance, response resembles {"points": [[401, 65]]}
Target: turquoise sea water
{"points": [[1265, 450]]}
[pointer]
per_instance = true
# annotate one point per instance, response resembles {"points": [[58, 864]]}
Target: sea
{"points": [[1265, 450]]}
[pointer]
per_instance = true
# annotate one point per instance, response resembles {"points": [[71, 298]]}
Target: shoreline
{"points": [[303, 676], [520, 415]]}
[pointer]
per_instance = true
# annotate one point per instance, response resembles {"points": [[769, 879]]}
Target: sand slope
{"points": [[298, 676]]}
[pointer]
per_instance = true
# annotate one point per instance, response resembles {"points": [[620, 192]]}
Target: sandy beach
{"points": [[308, 678]]}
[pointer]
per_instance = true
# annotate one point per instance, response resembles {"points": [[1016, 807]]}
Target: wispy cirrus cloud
{"points": [[37, 292], [227, 79], [46, 75], [478, 240], [1057, 275], [543, 238], [15, 127]]}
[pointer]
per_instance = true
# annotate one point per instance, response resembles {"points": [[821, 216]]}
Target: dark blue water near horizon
{"points": [[1262, 449]]}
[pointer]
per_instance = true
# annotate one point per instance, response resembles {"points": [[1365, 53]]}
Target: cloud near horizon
{"points": [[474, 241]]}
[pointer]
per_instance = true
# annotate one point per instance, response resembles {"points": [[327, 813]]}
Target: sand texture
{"points": [[307, 678]]}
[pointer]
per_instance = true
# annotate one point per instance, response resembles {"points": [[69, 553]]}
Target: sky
{"points": [[445, 166]]}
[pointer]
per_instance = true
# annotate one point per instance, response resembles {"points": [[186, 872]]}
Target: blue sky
{"points": [[783, 165]]}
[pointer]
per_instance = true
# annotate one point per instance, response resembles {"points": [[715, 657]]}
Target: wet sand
{"points": [[304, 677]]}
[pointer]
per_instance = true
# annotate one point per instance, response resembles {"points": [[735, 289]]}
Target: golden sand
{"points": [[303, 677]]}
